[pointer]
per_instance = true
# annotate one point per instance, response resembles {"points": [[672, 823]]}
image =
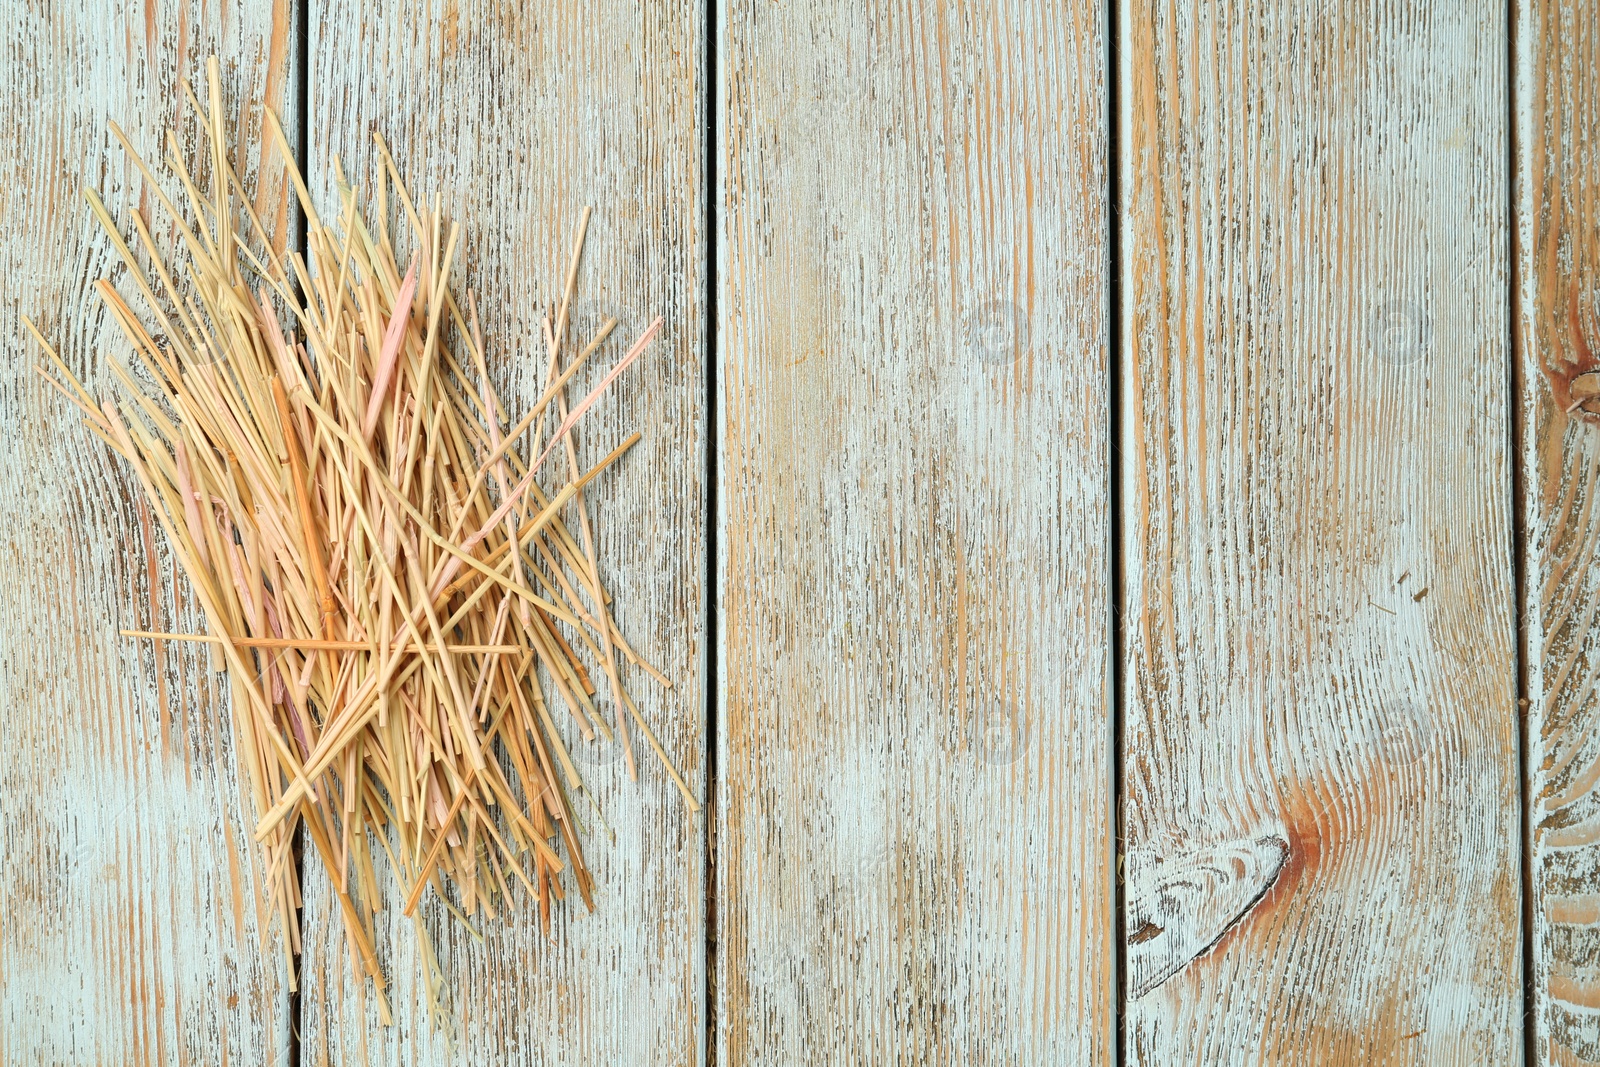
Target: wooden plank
{"points": [[127, 878], [1319, 685], [516, 120], [913, 837], [1557, 331]]}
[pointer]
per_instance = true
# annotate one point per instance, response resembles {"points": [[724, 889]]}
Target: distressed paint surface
{"points": [[1557, 333], [913, 828], [912, 815], [128, 882], [516, 118], [1320, 643]]}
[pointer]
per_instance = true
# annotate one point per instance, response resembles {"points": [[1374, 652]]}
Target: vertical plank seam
{"points": [[299, 238], [1516, 424], [713, 438], [1114, 562]]}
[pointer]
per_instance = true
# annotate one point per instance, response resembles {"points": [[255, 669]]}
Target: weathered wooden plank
{"points": [[913, 836], [1557, 332], [516, 116], [1319, 685], [128, 882]]}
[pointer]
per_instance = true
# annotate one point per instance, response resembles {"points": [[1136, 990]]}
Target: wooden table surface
{"points": [[1112, 503]]}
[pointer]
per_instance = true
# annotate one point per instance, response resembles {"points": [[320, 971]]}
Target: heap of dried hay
{"points": [[345, 497]]}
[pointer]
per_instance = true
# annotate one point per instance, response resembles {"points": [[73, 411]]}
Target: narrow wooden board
{"points": [[516, 117], [1320, 656], [913, 830], [128, 882], [1558, 269]]}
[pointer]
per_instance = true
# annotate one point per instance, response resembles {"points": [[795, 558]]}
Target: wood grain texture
{"points": [[516, 116], [913, 837], [1320, 644], [1557, 331], [129, 886]]}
